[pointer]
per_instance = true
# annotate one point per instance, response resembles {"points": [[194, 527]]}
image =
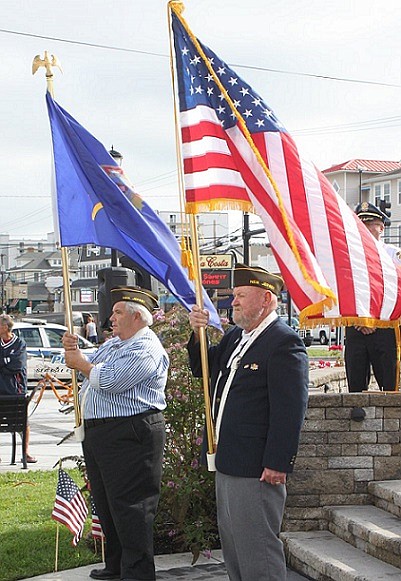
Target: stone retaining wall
{"points": [[339, 456]]}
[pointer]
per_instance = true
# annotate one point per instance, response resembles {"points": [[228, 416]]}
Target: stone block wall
{"points": [[339, 456]]}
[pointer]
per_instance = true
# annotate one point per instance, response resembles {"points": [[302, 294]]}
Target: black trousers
{"points": [[124, 463], [378, 349]]}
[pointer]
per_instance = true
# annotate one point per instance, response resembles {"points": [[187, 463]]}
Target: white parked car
{"points": [[45, 348], [324, 334]]}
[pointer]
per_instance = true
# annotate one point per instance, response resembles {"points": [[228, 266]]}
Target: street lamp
{"points": [[360, 169], [2, 282], [118, 157]]}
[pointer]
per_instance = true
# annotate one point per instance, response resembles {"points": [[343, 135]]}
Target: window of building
{"points": [[387, 192], [336, 186], [378, 191], [92, 250], [399, 191], [382, 192]]}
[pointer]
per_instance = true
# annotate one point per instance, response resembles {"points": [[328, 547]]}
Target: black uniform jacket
{"points": [[266, 404], [13, 373]]}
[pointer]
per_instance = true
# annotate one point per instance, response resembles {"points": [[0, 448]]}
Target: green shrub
{"points": [[186, 520]]}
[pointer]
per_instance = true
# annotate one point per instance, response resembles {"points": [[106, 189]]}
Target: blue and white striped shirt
{"points": [[128, 377]]}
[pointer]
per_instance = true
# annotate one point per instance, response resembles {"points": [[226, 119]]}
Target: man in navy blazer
{"points": [[259, 386]]}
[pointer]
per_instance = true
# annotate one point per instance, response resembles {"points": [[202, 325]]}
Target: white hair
{"points": [[143, 311]]}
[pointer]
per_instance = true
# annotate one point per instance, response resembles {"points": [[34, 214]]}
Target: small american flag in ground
{"points": [[70, 507], [97, 531]]}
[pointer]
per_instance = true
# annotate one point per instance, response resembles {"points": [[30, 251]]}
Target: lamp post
{"points": [[2, 282], [118, 157], [360, 170]]}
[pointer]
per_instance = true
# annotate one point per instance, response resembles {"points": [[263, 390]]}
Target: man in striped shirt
{"points": [[122, 399]]}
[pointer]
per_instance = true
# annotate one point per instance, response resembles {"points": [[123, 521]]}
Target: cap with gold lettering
{"points": [[257, 276], [135, 294]]}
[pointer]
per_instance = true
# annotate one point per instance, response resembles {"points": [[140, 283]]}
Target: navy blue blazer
{"points": [[266, 404]]}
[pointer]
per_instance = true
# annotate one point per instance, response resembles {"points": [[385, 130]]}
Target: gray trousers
{"points": [[249, 516]]}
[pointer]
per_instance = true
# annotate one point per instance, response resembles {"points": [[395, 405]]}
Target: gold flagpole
{"points": [[48, 64], [196, 270]]}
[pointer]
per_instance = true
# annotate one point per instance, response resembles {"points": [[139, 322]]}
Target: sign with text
{"points": [[216, 261], [216, 278], [87, 295]]}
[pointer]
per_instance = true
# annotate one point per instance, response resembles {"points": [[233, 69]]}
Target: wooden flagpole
{"points": [[57, 547], [103, 553], [58, 524], [48, 64], [211, 445]]}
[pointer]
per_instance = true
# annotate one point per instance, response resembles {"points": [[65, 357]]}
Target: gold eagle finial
{"points": [[46, 62]]}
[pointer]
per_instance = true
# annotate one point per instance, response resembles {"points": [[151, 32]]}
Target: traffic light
{"points": [[384, 207], [109, 278]]}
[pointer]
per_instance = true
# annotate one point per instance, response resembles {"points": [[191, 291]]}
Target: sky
{"points": [[330, 70]]}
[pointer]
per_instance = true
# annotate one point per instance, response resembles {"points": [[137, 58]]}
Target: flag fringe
{"points": [[304, 321], [219, 204]]}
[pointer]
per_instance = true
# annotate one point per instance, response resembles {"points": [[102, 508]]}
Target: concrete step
{"points": [[387, 495], [368, 528], [322, 556]]}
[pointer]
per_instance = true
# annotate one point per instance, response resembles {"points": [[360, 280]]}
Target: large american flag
{"points": [[70, 507], [321, 247]]}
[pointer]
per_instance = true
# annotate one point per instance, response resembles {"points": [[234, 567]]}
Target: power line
{"points": [[381, 123], [81, 43], [149, 53]]}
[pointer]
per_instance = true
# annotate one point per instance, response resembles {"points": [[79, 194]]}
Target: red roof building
{"points": [[350, 178], [368, 165]]}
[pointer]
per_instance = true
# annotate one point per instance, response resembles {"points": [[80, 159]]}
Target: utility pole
{"points": [[246, 236]]}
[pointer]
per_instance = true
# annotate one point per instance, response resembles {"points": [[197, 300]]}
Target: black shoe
{"points": [[103, 574]]}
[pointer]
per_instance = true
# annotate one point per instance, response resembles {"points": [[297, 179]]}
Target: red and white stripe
{"points": [[72, 514], [220, 165], [336, 249]]}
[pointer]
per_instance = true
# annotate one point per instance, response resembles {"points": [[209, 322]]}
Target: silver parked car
{"points": [[45, 348]]}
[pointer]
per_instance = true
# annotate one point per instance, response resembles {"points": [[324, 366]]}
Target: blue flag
{"points": [[96, 204]]}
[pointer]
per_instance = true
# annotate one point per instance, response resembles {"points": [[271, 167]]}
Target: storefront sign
{"points": [[216, 261], [216, 278]]}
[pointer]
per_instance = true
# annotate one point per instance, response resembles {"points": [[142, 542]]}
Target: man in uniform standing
{"points": [[366, 346], [259, 380]]}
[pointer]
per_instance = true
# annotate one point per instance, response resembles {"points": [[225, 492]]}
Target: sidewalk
{"points": [[48, 427], [168, 568]]}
